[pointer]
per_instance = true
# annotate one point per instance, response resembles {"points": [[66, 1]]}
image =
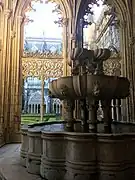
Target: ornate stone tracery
{"points": [[42, 67]]}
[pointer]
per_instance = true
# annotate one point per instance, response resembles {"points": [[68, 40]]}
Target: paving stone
{"points": [[10, 167]]}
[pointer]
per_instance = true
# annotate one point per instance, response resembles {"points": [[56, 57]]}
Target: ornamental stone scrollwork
{"points": [[132, 41], [39, 67], [112, 67]]}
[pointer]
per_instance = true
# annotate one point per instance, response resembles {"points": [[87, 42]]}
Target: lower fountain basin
{"points": [[54, 153], [100, 87]]}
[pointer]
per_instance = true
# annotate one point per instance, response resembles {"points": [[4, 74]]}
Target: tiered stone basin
{"points": [[91, 86], [53, 153]]}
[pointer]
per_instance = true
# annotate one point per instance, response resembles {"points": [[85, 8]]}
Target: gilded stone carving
{"points": [[39, 67]]}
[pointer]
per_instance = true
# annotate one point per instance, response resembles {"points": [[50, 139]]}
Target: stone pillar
{"points": [[68, 114], [31, 110], [106, 106], [65, 47], [34, 108], [37, 108], [16, 80], [42, 98], [28, 108], [92, 121], [46, 108], [6, 72]]}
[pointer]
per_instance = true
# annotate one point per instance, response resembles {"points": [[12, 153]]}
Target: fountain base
{"points": [[54, 153]]}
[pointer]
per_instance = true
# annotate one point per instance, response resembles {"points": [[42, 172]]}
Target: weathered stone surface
{"points": [[10, 167], [75, 155]]}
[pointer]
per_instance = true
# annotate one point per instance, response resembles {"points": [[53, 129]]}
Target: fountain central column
{"points": [[92, 121], [69, 106], [106, 106]]}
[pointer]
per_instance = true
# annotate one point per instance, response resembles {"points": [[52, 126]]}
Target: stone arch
{"points": [[22, 5], [34, 97], [56, 105]]}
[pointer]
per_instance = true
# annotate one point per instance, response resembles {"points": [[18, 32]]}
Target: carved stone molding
{"points": [[8, 13], [13, 34], [132, 41], [42, 55]]}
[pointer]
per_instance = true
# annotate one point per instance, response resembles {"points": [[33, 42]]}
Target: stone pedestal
{"points": [[80, 156], [24, 147], [76, 156], [53, 157], [34, 151], [115, 156]]}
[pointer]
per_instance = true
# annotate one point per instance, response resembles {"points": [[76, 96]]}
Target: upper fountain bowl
{"points": [[100, 87], [62, 88]]}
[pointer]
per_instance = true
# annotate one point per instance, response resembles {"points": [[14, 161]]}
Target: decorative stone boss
{"points": [[88, 84]]}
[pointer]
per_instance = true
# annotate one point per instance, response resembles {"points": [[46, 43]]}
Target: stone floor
{"points": [[10, 168]]}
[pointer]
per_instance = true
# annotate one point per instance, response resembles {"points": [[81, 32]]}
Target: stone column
{"points": [[106, 106], [46, 108], [28, 108], [65, 47], [92, 121], [42, 98], [127, 64], [16, 80], [31, 109], [5, 72], [34, 109], [68, 114]]}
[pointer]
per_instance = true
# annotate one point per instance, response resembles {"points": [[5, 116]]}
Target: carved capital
{"points": [[13, 34], [7, 13], [132, 41], [65, 21]]}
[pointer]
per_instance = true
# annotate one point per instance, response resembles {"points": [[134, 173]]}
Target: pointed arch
{"points": [[22, 5]]}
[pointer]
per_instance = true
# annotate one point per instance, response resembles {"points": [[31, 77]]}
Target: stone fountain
{"points": [[88, 84], [81, 148]]}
